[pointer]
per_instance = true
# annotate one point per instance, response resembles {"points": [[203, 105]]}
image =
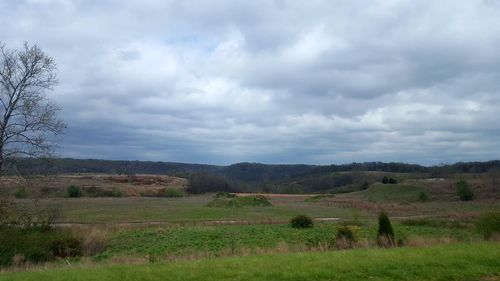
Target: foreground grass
{"points": [[219, 240], [450, 262]]}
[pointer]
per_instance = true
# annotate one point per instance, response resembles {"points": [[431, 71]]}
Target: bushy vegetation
{"points": [[423, 196], [229, 200], [27, 235], [464, 191], [388, 180], [172, 192], [345, 237], [21, 193], [36, 245], [385, 232], [301, 221], [489, 224], [74, 191]]}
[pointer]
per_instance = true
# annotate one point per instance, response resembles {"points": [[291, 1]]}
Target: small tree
{"points": [[385, 180], [385, 233], [74, 191], [464, 191], [423, 196], [301, 221]]}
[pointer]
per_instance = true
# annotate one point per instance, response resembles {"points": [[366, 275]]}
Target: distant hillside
{"points": [[248, 173]]}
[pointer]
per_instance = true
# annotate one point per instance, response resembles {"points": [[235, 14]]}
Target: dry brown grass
{"points": [[55, 186]]}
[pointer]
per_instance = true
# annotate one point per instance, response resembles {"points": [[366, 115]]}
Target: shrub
{"points": [[74, 191], [301, 221], [66, 247], [172, 192], [423, 196], [345, 237], [489, 224], [21, 193], [385, 233], [464, 191], [385, 180], [18, 245], [116, 192], [392, 181]]}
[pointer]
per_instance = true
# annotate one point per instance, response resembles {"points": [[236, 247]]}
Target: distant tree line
{"points": [[249, 173]]}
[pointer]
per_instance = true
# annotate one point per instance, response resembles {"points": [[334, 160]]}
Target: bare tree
{"points": [[27, 117]]}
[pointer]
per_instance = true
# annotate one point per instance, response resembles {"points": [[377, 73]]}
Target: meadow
{"points": [[204, 237]]}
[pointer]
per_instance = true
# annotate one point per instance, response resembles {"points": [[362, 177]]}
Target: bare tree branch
{"points": [[27, 118]]}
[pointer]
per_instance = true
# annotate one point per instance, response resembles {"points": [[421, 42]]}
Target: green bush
{"points": [[21, 193], [464, 191], [301, 221], [385, 233], [36, 244], [116, 192], [489, 224], [74, 191], [423, 196], [172, 192], [345, 237], [66, 247]]}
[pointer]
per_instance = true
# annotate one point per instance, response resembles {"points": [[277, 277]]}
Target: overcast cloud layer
{"points": [[271, 81]]}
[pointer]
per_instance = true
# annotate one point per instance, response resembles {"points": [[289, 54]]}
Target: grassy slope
{"points": [[450, 262], [392, 192]]}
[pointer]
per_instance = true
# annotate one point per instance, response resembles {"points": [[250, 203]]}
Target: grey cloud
{"points": [[271, 81]]}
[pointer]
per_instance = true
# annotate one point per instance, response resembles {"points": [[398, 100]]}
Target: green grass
{"points": [[450, 262], [319, 197], [392, 192], [174, 210], [214, 240], [240, 201]]}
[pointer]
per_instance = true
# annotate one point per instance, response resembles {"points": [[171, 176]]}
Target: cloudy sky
{"points": [[270, 81]]}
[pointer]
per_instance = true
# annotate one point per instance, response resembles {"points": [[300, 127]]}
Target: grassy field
{"points": [[195, 209], [174, 210], [164, 242], [470, 261], [438, 238]]}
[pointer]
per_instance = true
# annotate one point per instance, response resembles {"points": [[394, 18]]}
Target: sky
{"points": [[314, 82]]}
